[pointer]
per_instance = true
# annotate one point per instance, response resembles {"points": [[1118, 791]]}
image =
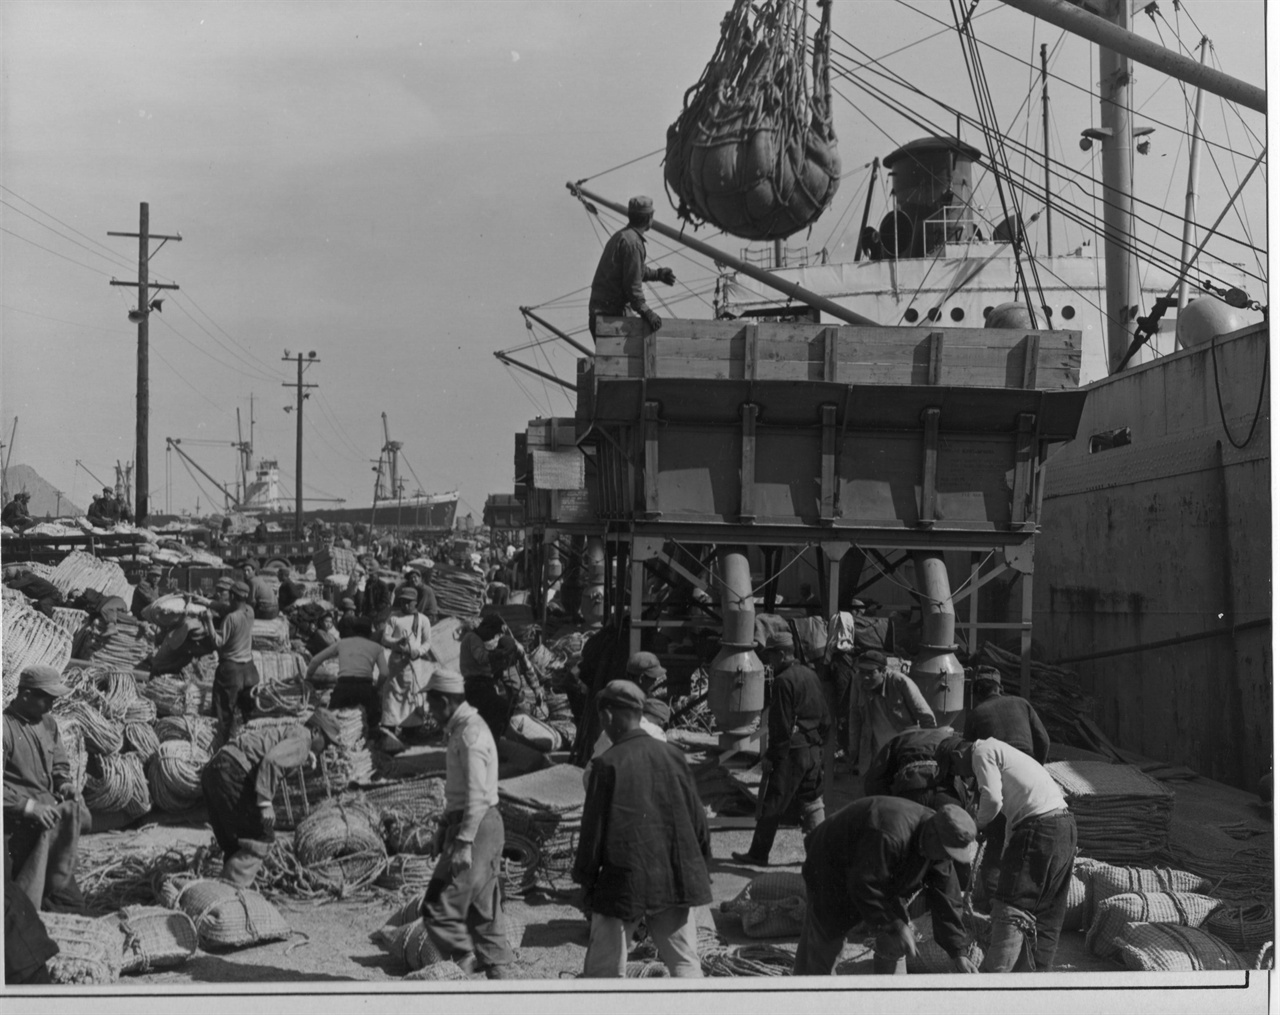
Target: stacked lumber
{"points": [[80, 570], [460, 593], [333, 560], [1122, 815], [29, 637]]}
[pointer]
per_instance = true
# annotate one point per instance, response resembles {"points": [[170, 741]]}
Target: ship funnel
{"points": [[936, 669], [933, 195], [735, 678]]}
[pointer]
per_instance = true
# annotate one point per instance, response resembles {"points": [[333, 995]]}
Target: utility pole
{"points": [[140, 316], [302, 395], [1048, 193]]}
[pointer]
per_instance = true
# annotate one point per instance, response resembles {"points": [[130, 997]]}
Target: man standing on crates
{"points": [[240, 785], [462, 907]]}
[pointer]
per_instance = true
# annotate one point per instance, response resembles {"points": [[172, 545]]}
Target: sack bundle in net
{"points": [[1121, 813], [140, 739], [120, 789], [770, 905], [198, 730], [1115, 913], [754, 149], [73, 744], [1169, 948], [1244, 926], [340, 845], [224, 916], [172, 695], [173, 774], [102, 736], [153, 937], [281, 689], [89, 949]]}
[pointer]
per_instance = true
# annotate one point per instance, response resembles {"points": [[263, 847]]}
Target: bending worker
{"points": [[240, 788], [621, 273], [363, 667], [799, 724]]}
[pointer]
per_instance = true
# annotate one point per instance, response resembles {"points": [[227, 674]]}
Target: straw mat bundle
{"points": [[88, 949], [1168, 948], [224, 916], [1121, 813], [153, 937], [770, 905], [1105, 880], [1116, 912]]}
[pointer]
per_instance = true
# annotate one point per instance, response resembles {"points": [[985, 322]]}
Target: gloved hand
{"points": [[268, 814], [652, 320], [460, 862], [666, 276]]}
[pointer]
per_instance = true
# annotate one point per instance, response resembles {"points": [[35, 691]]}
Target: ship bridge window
{"points": [[1068, 312], [957, 313], [912, 315], [1108, 439]]}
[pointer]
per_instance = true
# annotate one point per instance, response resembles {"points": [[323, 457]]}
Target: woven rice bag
{"points": [[1106, 880], [1118, 911], [1168, 948], [224, 916], [531, 732], [88, 950], [409, 945], [153, 937], [1077, 904], [770, 905]]}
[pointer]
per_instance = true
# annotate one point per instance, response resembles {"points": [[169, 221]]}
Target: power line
{"points": [[47, 250]]}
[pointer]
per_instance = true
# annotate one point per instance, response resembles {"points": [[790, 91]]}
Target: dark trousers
{"points": [[43, 860], [491, 701], [463, 914], [838, 686], [796, 776], [232, 700], [358, 692], [1035, 876]]}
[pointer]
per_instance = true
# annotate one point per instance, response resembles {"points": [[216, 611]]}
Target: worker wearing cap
{"points": [[263, 595], [236, 675], [646, 673], [147, 591], [488, 692], [240, 786], [644, 845], [1030, 899], [799, 723], [43, 812], [918, 764], [1008, 718], [347, 619], [428, 605], [621, 273], [103, 510], [363, 668], [462, 907], [16, 513], [862, 866], [406, 636], [885, 702]]}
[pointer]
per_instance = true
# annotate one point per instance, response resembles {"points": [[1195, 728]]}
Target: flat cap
{"points": [[640, 205], [779, 639], [873, 658], [957, 832], [645, 664], [39, 677], [623, 693], [240, 589], [327, 723], [658, 711], [408, 594]]}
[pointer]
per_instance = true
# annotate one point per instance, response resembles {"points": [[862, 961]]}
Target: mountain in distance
{"points": [[45, 502]]}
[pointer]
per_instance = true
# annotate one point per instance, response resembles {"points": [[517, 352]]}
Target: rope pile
{"points": [[141, 710], [748, 960], [1243, 927], [69, 619], [754, 149], [406, 873], [102, 736], [340, 845], [141, 739], [173, 774], [73, 744], [172, 695], [198, 730], [120, 789], [521, 858], [80, 570], [1121, 813], [119, 691], [1055, 692], [29, 637], [123, 647], [117, 878]]}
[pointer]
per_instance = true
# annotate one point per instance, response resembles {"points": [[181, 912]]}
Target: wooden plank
{"points": [[1030, 360], [652, 508], [935, 358], [1020, 508], [747, 499], [750, 351], [929, 469], [831, 353], [650, 355], [827, 484]]}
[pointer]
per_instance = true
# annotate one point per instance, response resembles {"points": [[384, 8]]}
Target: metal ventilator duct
{"points": [[593, 593], [736, 675], [935, 669]]}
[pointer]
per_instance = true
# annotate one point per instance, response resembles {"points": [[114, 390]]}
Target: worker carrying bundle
{"points": [[754, 151]]}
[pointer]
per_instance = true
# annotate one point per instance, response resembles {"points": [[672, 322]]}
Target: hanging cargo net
{"points": [[754, 151]]}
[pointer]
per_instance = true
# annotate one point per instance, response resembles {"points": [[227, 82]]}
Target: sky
{"points": [[384, 184]]}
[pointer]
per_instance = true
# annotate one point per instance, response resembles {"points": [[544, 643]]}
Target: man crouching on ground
{"points": [[644, 846], [462, 908]]}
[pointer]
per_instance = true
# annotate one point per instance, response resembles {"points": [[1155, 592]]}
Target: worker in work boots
{"points": [[1030, 899], [621, 273], [240, 785], [862, 867], [799, 723]]}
